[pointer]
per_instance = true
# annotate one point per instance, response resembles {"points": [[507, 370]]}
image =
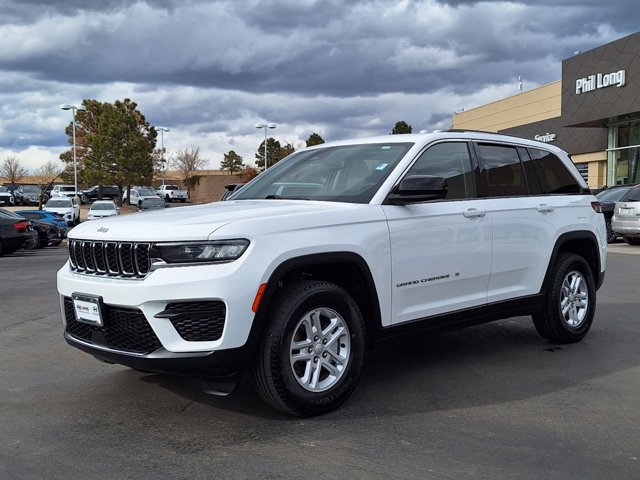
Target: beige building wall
{"points": [[541, 103]]}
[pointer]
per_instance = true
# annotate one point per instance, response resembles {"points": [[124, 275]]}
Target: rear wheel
{"points": [[570, 301], [312, 353]]}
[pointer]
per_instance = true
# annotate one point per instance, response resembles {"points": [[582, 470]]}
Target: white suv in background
{"points": [[64, 191], [333, 250], [138, 194]]}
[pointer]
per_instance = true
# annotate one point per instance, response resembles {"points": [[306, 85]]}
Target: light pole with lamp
{"points": [[74, 109], [265, 126], [162, 130]]}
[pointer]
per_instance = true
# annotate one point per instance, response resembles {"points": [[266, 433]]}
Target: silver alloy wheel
{"points": [[574, 298], [320, 349]]}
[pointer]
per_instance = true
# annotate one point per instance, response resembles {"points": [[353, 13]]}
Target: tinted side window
{"points": [[554, 175], [633, 195], [503, 171], [451, 161]]}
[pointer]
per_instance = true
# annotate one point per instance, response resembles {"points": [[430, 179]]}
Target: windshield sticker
{"points": [[382, 166]]}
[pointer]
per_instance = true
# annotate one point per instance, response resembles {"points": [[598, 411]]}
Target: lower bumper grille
{"points": [[197, 321], [125, 329]]}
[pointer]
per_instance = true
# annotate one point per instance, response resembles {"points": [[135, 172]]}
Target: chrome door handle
{"points": [[474, 212], [544, 208]]}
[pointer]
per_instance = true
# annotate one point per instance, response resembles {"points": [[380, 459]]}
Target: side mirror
{"points": [[418, 188]]}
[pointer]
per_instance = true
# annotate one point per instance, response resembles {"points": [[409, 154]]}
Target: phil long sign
{"points": [[600, 80]]}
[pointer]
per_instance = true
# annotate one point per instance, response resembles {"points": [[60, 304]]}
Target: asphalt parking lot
{"points": [[488, 402]]}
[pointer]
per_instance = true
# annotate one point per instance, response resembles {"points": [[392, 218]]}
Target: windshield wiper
{"points": [[278, 197]]}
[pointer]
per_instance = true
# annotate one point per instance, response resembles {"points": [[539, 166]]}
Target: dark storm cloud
{"points": [[341, 68]]}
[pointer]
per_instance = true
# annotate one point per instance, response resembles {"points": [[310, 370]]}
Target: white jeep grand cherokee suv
{"points": [[332, 250]]}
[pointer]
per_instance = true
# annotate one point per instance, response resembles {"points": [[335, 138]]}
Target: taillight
{"points": [[22, 226], [596, 207]]}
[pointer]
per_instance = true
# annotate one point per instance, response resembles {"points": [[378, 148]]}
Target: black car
{"points": [[46, 233], [608, 198], [109, 192], [152, 203], [28, 195], [15, 233]]}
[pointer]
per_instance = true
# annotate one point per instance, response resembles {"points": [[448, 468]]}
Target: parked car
{"points": [[152, 204], [109, 192], [15, 233], [28, 195], [138, 194], [64, 191], [626, 216], [230, 189], [608, 198], [44, 216], [47, 233], [6, 197], [171, 193], [336, 248], [69, 208], [102, 209]]}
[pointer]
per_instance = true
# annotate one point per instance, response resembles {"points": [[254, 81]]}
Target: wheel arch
{"points": [[583, 243], [345, 269]]}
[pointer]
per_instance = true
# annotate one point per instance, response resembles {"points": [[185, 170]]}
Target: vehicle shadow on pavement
{"points": [[490, 364]]}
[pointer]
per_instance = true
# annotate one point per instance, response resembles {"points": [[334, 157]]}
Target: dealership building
{"points": [[593, 113]]}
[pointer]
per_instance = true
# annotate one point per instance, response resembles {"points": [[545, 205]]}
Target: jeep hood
{"points": [[199, 222]]}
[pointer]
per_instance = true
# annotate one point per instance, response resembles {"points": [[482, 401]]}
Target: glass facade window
{"points": [[624, 153]]}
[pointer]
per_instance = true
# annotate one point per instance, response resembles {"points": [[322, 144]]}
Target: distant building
{"points": [[593, 113]]}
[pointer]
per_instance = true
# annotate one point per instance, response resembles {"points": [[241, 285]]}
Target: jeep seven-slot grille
{"points": [[124, 329], [115, 259]]}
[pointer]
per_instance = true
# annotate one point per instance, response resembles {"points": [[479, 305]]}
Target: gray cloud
{"points": [[210, 69]]}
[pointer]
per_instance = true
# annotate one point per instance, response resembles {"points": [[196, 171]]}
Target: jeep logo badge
{"points": [[103, 230]]}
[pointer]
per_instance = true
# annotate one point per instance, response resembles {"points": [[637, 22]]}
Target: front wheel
{"points": [[312, 353], [570, 301]]}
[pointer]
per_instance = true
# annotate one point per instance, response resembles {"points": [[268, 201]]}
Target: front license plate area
{"points": [[88, 309]]}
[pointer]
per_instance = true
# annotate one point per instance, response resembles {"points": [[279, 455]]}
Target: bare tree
{"points": [[186, 162], [47, 174], [13, 170]]}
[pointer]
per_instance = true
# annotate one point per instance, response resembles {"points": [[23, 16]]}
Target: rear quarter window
{"points": [[554, 175]]}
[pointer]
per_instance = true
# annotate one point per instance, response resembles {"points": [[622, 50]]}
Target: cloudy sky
{"points": [[210, 69]]}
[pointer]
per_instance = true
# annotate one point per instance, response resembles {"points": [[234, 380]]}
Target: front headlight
{"points": [[200, 252]]}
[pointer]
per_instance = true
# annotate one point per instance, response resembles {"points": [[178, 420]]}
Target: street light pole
{"points": [[74, 109], [265, 126], [162, 130]]}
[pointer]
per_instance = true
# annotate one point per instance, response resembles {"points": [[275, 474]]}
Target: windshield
{"points": [[30, 189], [612, 195], [145, 192], [67, 189], [4, 189], [349, 173], [59, 202], [103, 206]]}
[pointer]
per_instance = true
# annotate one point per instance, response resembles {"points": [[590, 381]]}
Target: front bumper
{"points": [[172, 314]]}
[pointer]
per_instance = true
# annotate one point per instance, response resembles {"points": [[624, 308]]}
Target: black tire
{"points": [[631, 240], [167, 198], [183, 200], [572, 284], [55, 243], [35, 244], [611, 235], [280, 380]]}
